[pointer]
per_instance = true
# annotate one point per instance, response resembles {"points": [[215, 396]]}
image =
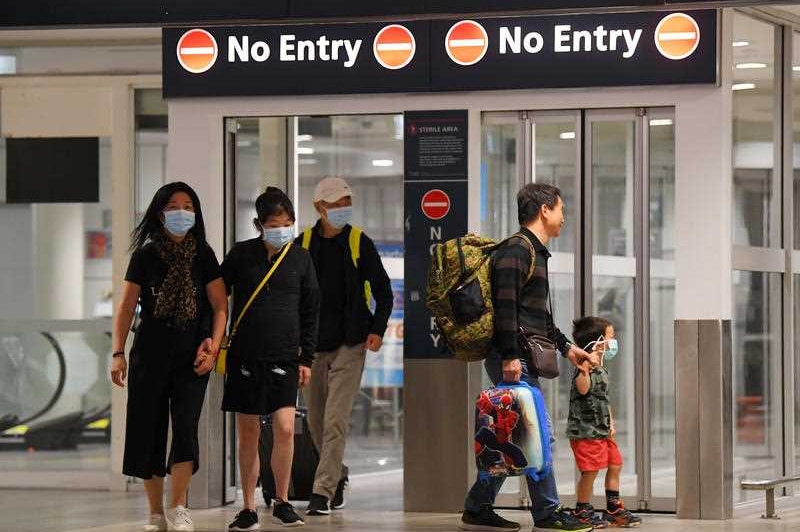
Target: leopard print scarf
{"points": [[176, 301]]}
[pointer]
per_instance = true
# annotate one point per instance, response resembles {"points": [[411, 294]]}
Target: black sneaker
{"points": [[562, 519], [245, 521], [284, 514], [318, 505], [338, 498], [486, 520]]}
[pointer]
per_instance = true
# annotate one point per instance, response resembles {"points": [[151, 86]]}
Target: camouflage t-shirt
{"points": [[590, 414]]}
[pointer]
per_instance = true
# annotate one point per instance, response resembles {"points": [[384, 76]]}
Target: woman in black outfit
{"points": [[272, 351], [175, 278]]}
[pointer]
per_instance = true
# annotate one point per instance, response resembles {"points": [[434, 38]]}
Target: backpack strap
{"points": [[355, 255], [527, 241], [307, 238]]}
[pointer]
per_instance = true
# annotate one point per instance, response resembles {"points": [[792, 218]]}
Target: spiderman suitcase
{"points": [[512, 435]]}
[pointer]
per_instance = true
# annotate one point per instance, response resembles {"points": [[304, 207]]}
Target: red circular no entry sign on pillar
{"points": [[435, 204]]}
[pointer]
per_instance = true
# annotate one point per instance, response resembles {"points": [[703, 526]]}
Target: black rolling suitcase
{"points": [[304, 465]]}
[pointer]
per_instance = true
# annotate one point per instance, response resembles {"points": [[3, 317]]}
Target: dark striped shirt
{"points": [[517, 302]]}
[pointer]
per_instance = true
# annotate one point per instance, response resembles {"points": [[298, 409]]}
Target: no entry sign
{"points": [[197, 51], [466, 42], [394, 47], [435, 204], [677, 36]]}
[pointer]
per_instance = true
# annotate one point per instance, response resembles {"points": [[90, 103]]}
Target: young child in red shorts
{"points": [[590, 426]]}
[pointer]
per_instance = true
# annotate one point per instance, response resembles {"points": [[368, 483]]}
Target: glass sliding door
{"points": [[611, 149], [615, 259]]}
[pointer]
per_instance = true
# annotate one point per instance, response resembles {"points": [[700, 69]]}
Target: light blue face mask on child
{"points": [[612, 347]]}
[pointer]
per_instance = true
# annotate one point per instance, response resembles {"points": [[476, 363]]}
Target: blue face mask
{"points": [[277, 237], [612, 347], [340, 217], [178, 222]]}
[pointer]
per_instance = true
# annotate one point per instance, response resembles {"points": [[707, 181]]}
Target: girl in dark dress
{"points": [[175, 278]]}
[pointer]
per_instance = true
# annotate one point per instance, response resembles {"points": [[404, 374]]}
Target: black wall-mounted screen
{"points": [[54, 170]]}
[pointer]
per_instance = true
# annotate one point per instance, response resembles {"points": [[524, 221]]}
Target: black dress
{"points": [[161, 378]]}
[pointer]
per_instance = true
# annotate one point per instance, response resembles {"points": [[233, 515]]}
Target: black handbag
{"points": [[541, 352], [540, 349]]}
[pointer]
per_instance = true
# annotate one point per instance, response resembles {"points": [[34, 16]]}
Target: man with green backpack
{"points": [[491, 302]]}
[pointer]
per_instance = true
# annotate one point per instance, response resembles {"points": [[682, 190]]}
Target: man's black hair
{"points": [[531, 198]]}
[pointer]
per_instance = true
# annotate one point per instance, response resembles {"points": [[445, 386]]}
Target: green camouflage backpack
{"points": [[459, 293]]}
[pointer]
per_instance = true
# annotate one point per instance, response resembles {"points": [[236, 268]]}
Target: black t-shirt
{"points": [[281, 324], [147, 270], [329, 263]]}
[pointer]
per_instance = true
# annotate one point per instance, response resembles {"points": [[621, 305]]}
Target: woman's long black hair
{"points": [[151, 225]]}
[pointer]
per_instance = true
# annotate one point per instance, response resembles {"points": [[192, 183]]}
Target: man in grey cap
{"points": [[350, 274]]}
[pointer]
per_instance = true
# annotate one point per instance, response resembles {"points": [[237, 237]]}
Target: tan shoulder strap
{"points": [[258, 289]]}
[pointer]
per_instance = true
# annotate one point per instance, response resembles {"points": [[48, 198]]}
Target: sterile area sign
{"points": [[555, 51]]}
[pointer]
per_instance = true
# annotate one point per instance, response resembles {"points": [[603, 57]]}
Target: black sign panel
{"points": [[307, 59], [435, 145], [436, 208], [623, 49], [576, 51]]}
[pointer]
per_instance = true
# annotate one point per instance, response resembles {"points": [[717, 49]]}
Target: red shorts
{"points": [[596, 455]]}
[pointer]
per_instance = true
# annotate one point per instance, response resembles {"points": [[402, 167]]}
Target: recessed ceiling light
{"points": [[796, 68], [740, 44], [661, 122], [305, 151], [382, 162], [750, 66], [304, 138], [307, 160], [567, 135], [743, 86]]}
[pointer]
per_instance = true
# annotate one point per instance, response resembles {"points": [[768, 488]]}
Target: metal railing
{"points": [[769, 487]]}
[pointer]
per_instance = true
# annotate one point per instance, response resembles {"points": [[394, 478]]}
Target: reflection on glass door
{"points": [[611, 146], [294, 153]]}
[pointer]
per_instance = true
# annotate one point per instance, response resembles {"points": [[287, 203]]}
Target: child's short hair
{"points": [[589, 329]]}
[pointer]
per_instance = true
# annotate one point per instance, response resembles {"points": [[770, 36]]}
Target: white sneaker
{"points": [[157, 523], [182, 520]]}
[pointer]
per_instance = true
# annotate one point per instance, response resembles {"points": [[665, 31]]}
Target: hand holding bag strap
{"points": [[223, 352]]}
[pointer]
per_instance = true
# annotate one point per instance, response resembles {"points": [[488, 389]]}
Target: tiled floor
{"points": [[373, 506]]}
